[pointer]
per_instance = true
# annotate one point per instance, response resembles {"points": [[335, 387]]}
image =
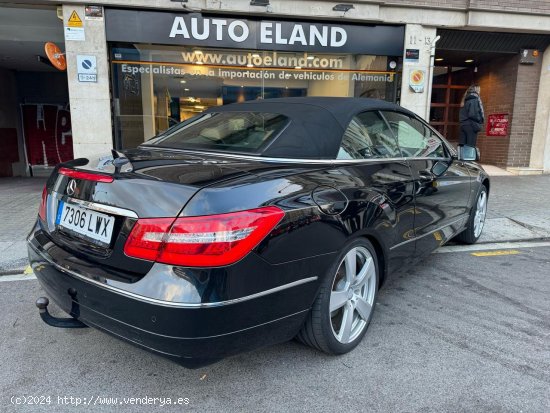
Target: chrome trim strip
{"points": [[295, 160], [170, 303], [108, 209], [426, 234]]}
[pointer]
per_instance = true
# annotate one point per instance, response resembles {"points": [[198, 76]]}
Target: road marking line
{"points": [[495, 253], [17, 277], [492, 246]]}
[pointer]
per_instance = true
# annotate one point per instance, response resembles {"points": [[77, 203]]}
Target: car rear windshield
{"points": [[224, 131]]}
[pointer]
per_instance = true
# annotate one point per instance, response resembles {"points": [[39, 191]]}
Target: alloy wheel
{"points": [[481, 212], [352, 295]]}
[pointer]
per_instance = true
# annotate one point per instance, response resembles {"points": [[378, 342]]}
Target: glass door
{"points": [[449, 85]]}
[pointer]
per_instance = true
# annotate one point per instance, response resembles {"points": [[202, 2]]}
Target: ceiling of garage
{"points": [[23, 32], [490, 42], [457, 46], [459, 57]]}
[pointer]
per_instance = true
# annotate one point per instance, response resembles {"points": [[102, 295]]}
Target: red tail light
{"points": [[203, 241], [71, 173], [43, 201]]}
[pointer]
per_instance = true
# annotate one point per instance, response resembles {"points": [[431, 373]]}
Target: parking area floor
{"points": [[459, 332]]}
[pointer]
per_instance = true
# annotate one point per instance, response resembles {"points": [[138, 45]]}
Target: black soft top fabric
{"points": [[316, 123]]}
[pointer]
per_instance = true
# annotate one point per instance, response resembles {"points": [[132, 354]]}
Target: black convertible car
{"points": [[251, 224]]}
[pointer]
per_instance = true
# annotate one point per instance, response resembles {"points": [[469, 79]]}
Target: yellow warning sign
{"points": [[74, 20]]}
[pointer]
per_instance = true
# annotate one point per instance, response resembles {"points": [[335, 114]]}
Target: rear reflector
{"points": [[71, 173], [43, 201], [203, 241]]}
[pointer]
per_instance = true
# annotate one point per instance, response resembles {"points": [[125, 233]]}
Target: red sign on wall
{"points": [[497, 124]]}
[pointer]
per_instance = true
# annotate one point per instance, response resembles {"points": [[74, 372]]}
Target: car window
{"points": [[368, 137], [227, 131], [414, 138]]}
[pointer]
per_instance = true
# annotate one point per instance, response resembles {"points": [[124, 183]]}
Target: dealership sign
{"points": [[270, 33], [194, 29]]}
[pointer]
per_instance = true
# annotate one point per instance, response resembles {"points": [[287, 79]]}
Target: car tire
{"points": [[351, 288], [476, 221]]}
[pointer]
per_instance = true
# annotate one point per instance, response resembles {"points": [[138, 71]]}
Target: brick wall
{"points": [[525, 107], [508, 87], [527, 6], [498, 84], [458, 4]]}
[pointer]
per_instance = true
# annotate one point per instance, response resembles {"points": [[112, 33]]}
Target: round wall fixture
{"points": [[55, 56]]}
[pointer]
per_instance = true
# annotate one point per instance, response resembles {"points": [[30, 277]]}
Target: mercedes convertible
{"points": [[252, 224]]}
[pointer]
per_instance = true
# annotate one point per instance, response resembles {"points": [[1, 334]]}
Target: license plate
{"points": [[84, 221]]}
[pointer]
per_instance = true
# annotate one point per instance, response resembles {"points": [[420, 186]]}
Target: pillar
{"points": [[540, 147], [420, 38], [90, 101]]}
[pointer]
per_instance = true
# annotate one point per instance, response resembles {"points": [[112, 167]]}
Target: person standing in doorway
{"points": [[472, 116]]}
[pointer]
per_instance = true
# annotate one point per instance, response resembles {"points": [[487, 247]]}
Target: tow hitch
{"points": [[42, 304]]}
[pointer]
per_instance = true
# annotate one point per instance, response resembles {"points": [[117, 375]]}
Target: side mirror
{"points": [[440, 167], [468, 153]]}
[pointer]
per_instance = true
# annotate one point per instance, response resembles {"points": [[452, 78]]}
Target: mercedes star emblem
{"points": [[71, 187]]}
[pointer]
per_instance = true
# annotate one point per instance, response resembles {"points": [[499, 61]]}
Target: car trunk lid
{"points": [[92, 204]]}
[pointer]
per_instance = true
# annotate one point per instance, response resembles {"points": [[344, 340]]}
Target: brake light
{"points": [[203, 241], [142, 243], [43, 201], [71, 173]]}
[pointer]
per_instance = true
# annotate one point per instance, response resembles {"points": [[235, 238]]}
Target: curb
{"points": [[537, 239], [12, 272], [16, 271]]}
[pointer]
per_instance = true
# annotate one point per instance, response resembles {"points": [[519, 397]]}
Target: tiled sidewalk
{"points": [[519, 208], [19, 199]]}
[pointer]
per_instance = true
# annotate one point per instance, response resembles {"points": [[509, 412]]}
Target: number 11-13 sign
{"points": [[497, 124]]}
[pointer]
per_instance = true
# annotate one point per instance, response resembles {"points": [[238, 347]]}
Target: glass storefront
{"points": [[155, 86]]}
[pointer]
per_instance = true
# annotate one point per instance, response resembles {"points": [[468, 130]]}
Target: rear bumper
{"points": [[193, 335]]}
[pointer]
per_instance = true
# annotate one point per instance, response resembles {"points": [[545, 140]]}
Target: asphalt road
{"points": [[458, 333]]}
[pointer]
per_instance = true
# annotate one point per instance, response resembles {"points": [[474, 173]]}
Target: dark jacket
{"points": [[472, 111]]}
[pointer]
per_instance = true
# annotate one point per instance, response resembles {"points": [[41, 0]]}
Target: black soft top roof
{"points": [[317, 123]]}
